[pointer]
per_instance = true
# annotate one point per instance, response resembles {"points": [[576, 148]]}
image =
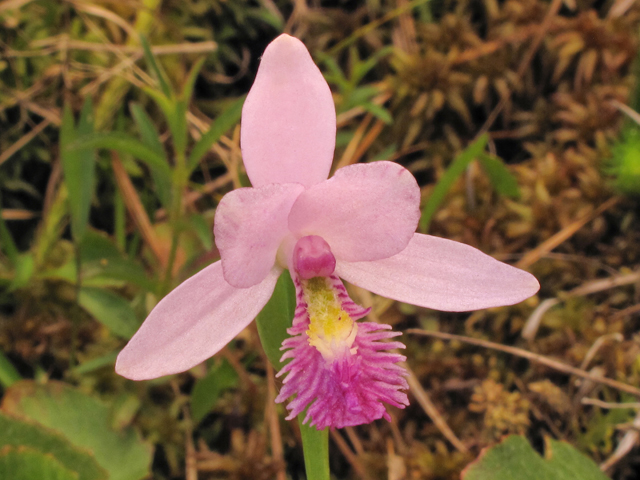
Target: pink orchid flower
{"points": [[358, 225]]}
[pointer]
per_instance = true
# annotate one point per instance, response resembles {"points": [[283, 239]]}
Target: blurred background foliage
{"points": [[517, 119]]}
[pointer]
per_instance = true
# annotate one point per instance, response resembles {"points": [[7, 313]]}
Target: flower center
{"points": [[312, 257], [331, 330]]}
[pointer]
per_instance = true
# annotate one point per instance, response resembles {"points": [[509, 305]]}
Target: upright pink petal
{"points": [[364, 212], [249, 225], [442, 274], [288, 130], [192, 323]]}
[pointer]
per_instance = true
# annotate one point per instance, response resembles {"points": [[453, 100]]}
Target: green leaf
{"points": [[175, 112], [208, 389], [315, 445], [514, 458], [203, 230], [116, 272], [124, 143], [119, 220], [360, 69], [150, 137], [227, 119], [336, 75], [147, 129], [379, 112], [17, 433], [167, 105], [25, 267], [178, 125], [155, 67], [454, 171], [23, 463], [187, 90], [8, 373], [102, 262], [97, 246], [183, 105], [78, 167], [275, 317], [501, 178], [361, 95], [85, 422], [624, 165], [107, 360], [124, 408], [110, 309]]}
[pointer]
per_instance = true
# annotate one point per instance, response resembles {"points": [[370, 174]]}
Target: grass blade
{"points": [[124, 143], [501, 178], [155, 67], [456, 169], [78, 167], [224, 121]]}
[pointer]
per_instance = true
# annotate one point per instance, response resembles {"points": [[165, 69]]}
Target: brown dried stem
{"points": [[533, 357]]}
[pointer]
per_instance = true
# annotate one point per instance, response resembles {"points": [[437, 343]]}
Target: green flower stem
{"points": [[273, 321], [315, 445]]}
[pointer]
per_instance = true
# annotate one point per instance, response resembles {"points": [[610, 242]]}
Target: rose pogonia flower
{"points": [[358, 225]]}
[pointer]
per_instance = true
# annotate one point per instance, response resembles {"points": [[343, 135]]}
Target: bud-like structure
{"points": [[312, 257]]}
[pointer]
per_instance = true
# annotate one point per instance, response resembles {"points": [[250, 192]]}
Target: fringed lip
{"points": [[351, 384]]}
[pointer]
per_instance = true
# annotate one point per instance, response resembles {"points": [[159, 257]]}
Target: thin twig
{"points": [[13, 4], [431, 410], [349, 455], [245, 378], [206, 189], [532, 324], [596, 346], [626, 109], [345, 117], [610, 405], [136, 209], [18, 214], [191, 462], [355, 440], [632, 310], [563, 235], [619, 8], [533, 357], [594, 286], [25, 139], [625, 445], [106, 15], [369, 138], [175, 49], [347, 156]]}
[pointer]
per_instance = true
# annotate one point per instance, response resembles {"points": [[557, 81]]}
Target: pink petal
{"points": [[364, 212], [191, 324], [249, 225], [442, 274], [288, 120]]}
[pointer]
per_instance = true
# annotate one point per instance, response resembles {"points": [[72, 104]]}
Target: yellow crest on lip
{"points": [[331, 330]]}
